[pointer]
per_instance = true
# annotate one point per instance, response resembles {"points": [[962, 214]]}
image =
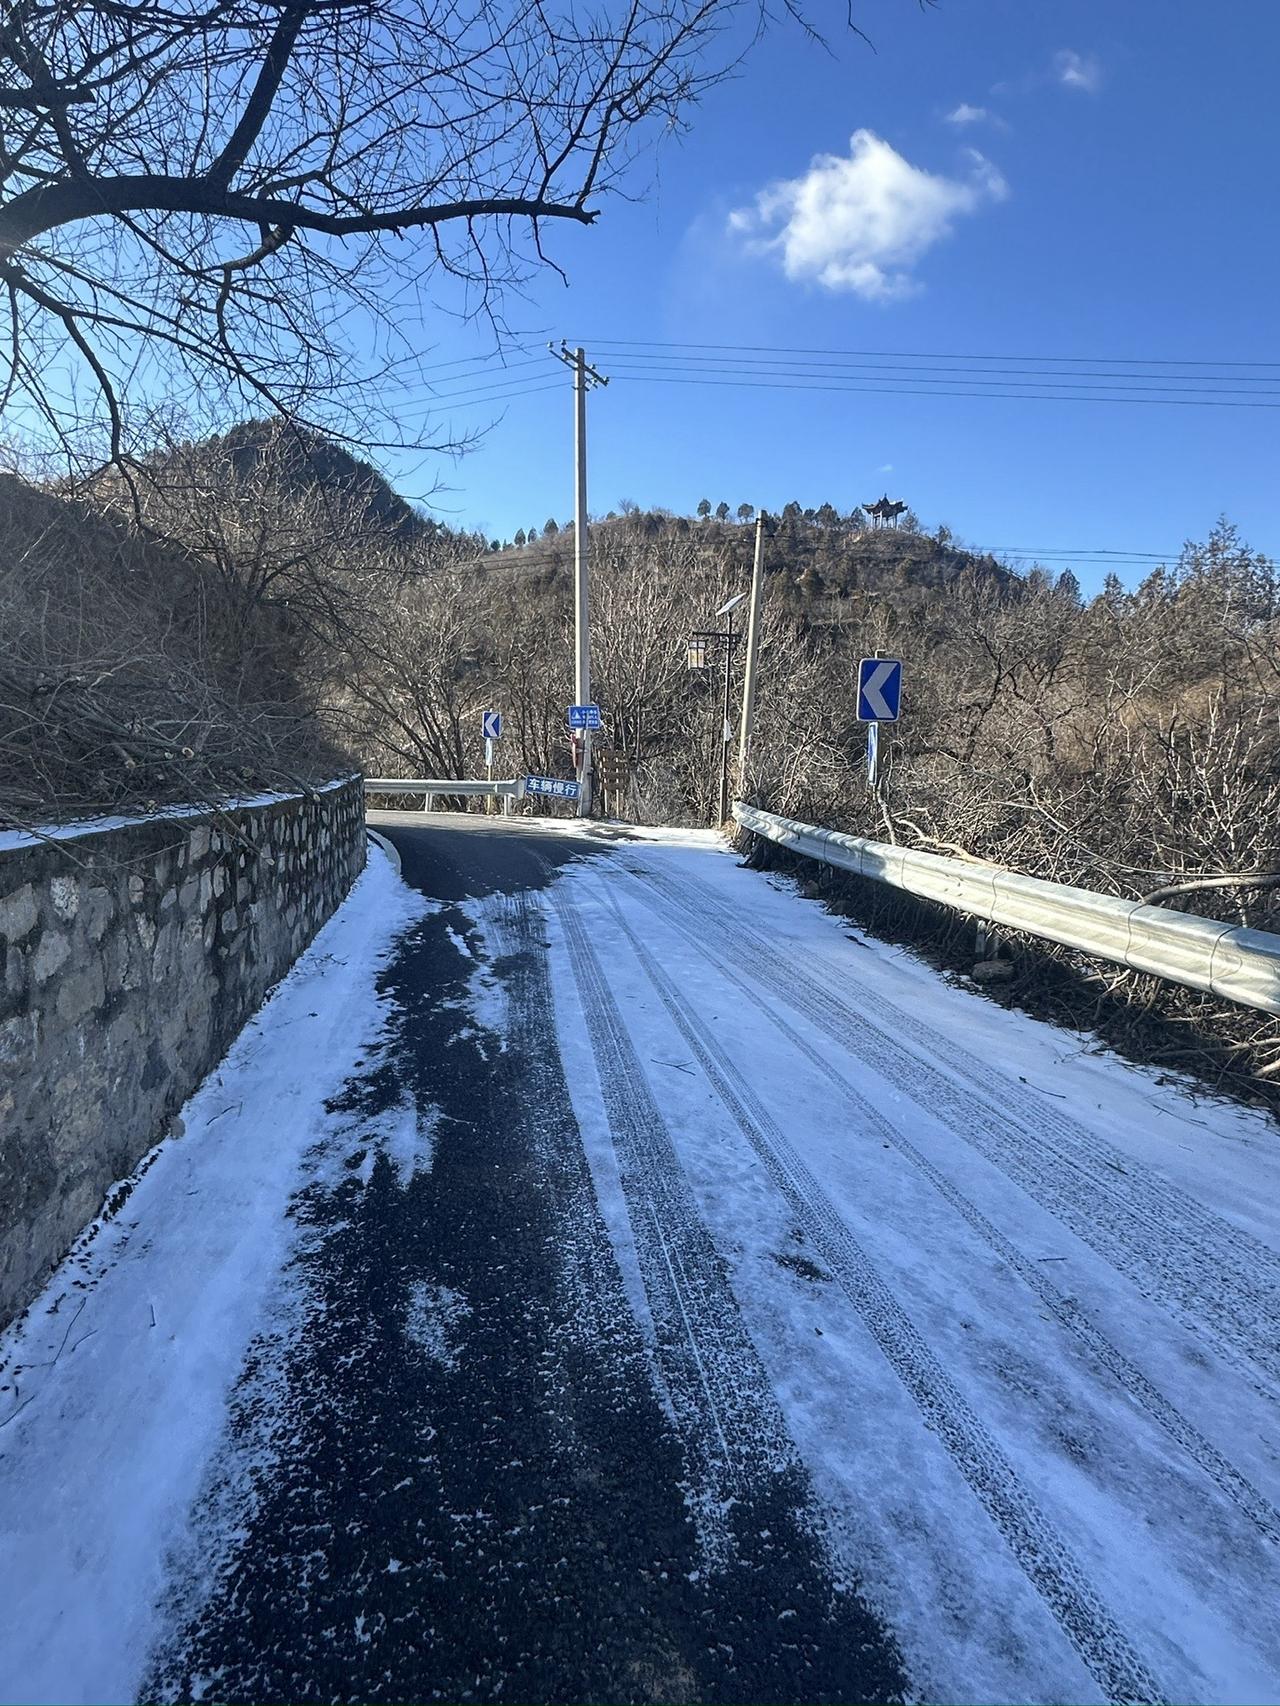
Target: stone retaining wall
{"points": [[131, 958]]}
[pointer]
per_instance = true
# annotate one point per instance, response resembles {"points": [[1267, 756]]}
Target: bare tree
{"points": [[239, 195]]}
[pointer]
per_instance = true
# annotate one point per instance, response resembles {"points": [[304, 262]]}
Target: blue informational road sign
{"points": [[584, 716], [879, 690], [491, 725], [552, 786]]}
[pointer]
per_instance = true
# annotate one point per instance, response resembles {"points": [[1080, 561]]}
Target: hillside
{"points": [[306, 463], [813, 558], [821, 563]]}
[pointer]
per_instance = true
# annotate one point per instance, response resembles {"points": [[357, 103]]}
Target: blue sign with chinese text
{"points": [[552, 787]]}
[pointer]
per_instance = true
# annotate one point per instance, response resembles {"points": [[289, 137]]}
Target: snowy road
{"points": [[613, 1278]]}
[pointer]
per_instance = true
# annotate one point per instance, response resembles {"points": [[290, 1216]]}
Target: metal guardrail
{"points": [[507, 792], [1227, 960]]}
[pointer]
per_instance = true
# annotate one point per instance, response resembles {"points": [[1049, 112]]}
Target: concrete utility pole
{"points": [[726, 729], [753, 652], [584, 378], [726, 733]]}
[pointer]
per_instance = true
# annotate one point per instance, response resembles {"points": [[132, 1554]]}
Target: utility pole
{"points": [[584, 379], [726, 734], [753, 651], [699, 643]]}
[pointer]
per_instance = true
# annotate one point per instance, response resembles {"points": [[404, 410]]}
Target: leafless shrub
{"points": [[117, 687]]}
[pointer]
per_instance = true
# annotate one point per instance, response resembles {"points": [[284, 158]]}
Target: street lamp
{"points": [[698, 658]]}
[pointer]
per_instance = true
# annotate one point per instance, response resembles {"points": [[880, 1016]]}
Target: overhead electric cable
{"points": [[887, 389], [873, 377], [932, 355], [496, 357], [438, 404]]}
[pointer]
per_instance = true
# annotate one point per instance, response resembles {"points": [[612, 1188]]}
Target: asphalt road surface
{"points": [[514, 1517], [654, 1290]]}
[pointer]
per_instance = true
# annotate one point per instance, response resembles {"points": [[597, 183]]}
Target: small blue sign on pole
{"points": [[491, 725], [552, 787], [584, 717], [879, 690]]}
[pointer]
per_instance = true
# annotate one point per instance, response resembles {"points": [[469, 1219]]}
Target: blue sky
{"points": [[990, 179]]}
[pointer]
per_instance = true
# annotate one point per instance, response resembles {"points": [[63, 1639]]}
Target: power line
{"points": [[497, 357], [793, 365], [894, 377], [493, 377], [1109, 559], [1082, 556], [894, 389], [931, 355], [439, 402]]}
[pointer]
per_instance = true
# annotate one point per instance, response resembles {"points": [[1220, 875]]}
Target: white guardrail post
{"points": [[1221, 959]]}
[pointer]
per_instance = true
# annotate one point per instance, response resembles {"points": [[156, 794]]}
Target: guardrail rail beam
{"points": [[1230, 961]]}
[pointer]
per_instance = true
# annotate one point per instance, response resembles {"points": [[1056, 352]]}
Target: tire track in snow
{"points": [[1141, 1391], [1036, 1546], [719, 1390], [778, 1620], [1153, 1198], [1179, 1255]]}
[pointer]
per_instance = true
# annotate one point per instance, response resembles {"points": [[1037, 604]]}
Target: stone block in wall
{"points": [[18, 913], [64, 896], [82, 991], [53, 950]]}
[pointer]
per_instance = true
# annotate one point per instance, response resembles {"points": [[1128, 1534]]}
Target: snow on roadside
{"points": [[1185, 1574], [12, 840], [113, 1387]]}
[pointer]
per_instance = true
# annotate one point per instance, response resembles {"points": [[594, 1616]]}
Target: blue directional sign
{"points": [[879, 690], [491, 722], [584, 716], [551, 786]]}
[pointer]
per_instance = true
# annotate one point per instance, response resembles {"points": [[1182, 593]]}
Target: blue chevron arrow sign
{"points": [[879, 690]]}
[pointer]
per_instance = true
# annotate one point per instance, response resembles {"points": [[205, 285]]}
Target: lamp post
{"points": [[698, 657]]}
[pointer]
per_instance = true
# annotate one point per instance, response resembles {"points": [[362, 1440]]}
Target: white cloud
{"points": [[1078, 71], [860, 221], [965, 114], [885, 468]]}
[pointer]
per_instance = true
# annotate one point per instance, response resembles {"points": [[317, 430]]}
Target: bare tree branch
{"points": [[381, 144]]}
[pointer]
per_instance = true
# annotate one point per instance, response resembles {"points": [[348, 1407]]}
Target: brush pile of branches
{"points": [[118, 690]]}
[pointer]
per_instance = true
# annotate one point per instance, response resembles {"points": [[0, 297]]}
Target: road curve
{"points": [[600, 1275], [454, 1476]]}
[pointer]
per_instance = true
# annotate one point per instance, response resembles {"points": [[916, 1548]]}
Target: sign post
{"points": [[491, 729], [611, 769], [879, 701]]}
